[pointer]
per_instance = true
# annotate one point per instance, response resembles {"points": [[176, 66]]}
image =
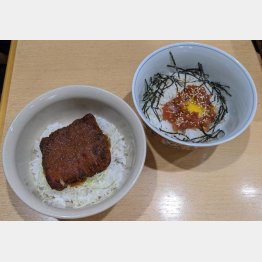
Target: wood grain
{"points": [[6, 86], [222, 183]]}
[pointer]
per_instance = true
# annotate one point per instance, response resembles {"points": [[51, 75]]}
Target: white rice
{"points": [[94, 189], [170, 94]]}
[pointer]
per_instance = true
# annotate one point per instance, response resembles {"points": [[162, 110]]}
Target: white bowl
{"points": [[221, 67], [64, 105]]}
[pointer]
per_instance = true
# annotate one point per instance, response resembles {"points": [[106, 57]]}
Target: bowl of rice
{"points": [[193, 95], [22, 157]]}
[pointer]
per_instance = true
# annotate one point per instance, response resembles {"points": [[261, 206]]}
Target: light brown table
{"points": [[222, 183]]}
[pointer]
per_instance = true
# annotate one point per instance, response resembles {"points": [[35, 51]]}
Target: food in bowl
{"points": [[186, 104], [58, 108], [80, 164], [75, 152], [240, 105]]}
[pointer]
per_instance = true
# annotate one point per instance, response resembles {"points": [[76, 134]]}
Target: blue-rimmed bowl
{"points": [[221, 67]]}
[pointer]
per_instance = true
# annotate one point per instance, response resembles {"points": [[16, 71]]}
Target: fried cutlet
{"points": [[73, 153]]}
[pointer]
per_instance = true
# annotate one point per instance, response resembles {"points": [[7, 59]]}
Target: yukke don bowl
{"points": [[66, 104], [220, 67]]}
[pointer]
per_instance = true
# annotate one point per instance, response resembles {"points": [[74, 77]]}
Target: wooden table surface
{"points": [[219, 183]]}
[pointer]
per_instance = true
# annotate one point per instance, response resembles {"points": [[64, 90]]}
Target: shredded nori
{"points": [[155, 88]]}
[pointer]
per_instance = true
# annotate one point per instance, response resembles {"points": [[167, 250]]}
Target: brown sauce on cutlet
{"points": [[80, 182], [73, 153]]}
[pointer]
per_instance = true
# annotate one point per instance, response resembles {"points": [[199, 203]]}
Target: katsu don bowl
{"points": [[193, 95], [74, 151]]}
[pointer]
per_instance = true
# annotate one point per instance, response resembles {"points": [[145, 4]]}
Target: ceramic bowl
{"points": [[221, 67], [66, 104]]}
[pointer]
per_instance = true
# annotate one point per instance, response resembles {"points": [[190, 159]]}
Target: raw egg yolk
{"points": [[192, 107]]}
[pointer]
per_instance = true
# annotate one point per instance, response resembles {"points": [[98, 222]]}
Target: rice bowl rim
{"points": [[47, 99], [213, 49]]}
